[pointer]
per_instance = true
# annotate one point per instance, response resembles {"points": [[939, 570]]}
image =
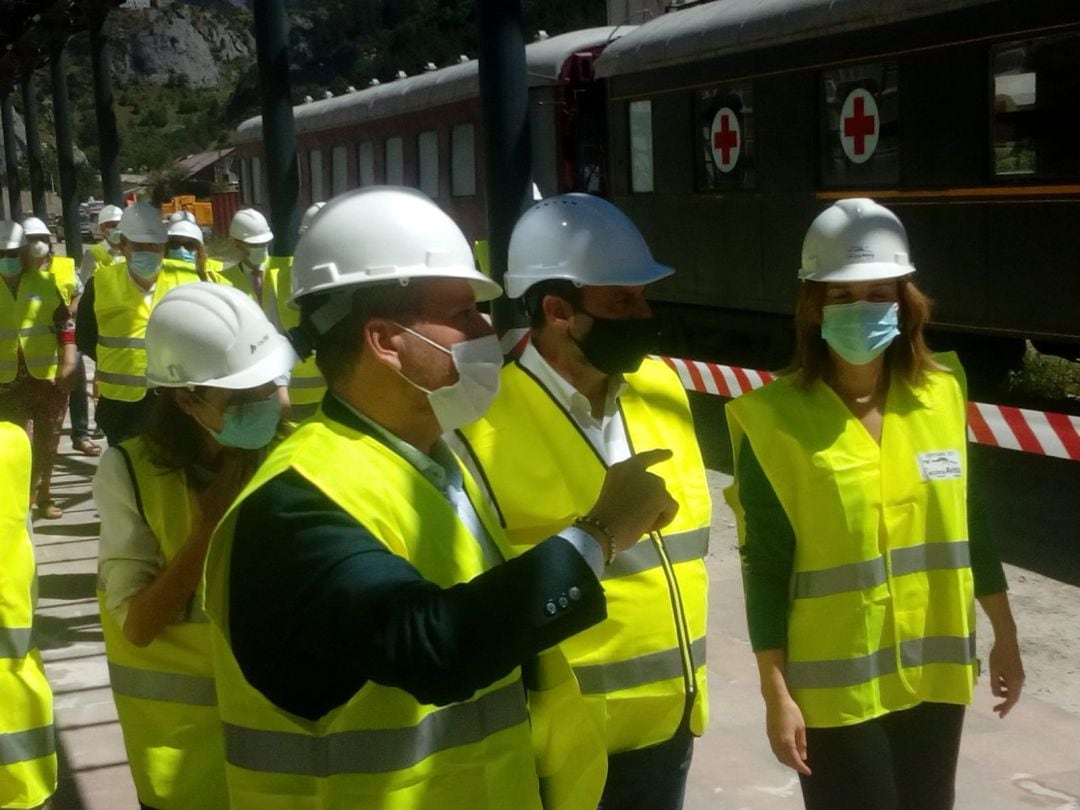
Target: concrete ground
{"points": [[1029, 760]]}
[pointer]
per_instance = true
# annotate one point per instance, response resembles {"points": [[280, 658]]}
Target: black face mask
{"points": [[619, 346]]}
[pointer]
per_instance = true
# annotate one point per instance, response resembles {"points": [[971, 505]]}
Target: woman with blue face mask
{"points": [[211, 358], [861, 565]]}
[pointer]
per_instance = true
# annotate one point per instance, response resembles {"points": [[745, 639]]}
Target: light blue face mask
{"points": [[251, 425], [10, 266], [145, 263], [861, 330], [182, 254]]}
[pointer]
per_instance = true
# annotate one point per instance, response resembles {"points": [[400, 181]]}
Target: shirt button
{"points": [[563, 601], [550, 608], [574, 593]]}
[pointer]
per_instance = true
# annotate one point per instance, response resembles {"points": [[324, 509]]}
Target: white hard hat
{"points": [[855, 240], [309, 215], [11, 235], [248, 225], [213, 334], [381, 234], [186, 229], [109, 213], [180, 216], [580, 238], [141, 222], [32, 226]]}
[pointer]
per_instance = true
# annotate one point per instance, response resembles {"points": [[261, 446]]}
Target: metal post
{"points": [[11, 156], [504, 99], [33, 148], [65, 154], [279, 131], [108, 139]]}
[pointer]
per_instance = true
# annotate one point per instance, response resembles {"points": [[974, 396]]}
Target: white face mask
{"points": [[257, 255], [39, 250], [478, 363]]}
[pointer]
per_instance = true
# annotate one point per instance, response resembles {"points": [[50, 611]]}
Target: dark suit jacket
{"points": [[318, 606]]}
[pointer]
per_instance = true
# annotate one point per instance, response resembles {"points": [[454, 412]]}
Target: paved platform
{"points": [[1029, 760]]}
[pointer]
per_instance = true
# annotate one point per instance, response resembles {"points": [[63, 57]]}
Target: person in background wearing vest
{"points": [[851, 496], [186, 244], [112, 316], [369, 639], [27, 737], [37, 355], [211, 355], [266, 278], [581, 398], [68, 281], [107, 250]]}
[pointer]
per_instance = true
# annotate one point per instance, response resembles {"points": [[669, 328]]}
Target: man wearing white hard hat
{"points": [[37, 355], [266, 278], [583, 397], [357, 589], [211, 356], [108, 249], [113, 313]]}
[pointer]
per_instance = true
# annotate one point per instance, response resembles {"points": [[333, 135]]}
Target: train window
{"points": [[365, 159], [257, 193], [395, 161], [1036, 115], [339, 176], [725, 133], [427, 148], [463, 160], [315, 164], [860, 120], [641, 146], [245, 181]]}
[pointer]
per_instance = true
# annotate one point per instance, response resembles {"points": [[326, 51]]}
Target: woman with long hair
{"points": [[861, 575], [212, 356]]}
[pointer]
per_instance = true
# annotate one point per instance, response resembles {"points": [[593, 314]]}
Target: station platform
{"points": [[1029, 760]]}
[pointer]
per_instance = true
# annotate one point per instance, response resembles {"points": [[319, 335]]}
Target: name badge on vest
{"points": [[939, 465]]}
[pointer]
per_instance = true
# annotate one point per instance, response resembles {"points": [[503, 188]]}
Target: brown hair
{"points": [[908, 355]]}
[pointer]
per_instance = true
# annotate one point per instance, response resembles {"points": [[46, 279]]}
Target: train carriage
{"points": [[733, 123]]}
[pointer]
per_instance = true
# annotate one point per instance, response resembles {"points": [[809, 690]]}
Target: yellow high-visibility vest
{"points": [[26, 322], [383, 749], [644, 666], [306, 386], [122, 312], [882, 608], [62, 269], [164, 692], [27, 738]]}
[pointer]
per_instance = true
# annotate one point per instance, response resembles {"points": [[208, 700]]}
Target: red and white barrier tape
{"points": [[1043, 433]]}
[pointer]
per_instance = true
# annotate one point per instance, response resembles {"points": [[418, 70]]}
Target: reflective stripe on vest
{"points": [[656, 600], [24, 746], [15, 642], [122, 342], [646, 669], [376, 750], [882, 611], [862, 575], [167, 686]]}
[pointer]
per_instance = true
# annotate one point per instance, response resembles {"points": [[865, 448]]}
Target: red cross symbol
{"points": [[725, 139], [860, 126]]}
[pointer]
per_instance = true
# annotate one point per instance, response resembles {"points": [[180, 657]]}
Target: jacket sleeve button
{"points": [[550, 608], [563, 601], [574, 593]]}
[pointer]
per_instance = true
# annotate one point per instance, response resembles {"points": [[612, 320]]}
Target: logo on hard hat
{"points": [[860, 252], [255, 346]]}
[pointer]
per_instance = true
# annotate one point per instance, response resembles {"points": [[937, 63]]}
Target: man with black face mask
{"points": [[584, 395]]}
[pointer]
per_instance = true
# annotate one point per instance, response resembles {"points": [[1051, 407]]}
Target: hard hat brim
{"points": [[518, 285], [483, 287], [277, 363], [867, 271], [258, 239]]}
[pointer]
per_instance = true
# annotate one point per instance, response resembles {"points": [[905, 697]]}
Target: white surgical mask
{"points": [[257, 255], [114, 236], [39, 250], [478, 363]]}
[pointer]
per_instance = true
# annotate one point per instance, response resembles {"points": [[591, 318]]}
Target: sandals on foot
{"points": [[50, 511], [87, 447]]}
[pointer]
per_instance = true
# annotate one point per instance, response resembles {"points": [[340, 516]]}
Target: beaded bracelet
{"points": [[586, 520]]}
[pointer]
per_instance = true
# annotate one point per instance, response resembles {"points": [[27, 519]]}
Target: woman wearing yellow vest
{"points": [[851, 497], [211, 354], [37, 355], [27, 742]]}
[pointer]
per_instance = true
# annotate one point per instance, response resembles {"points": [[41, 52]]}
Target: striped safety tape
{"points": [[1043, 433]]}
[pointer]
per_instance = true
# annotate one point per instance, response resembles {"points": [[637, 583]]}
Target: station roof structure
{"points": [[31, 28]]}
